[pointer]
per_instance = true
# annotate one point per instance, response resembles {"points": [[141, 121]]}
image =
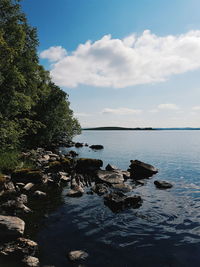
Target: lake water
{"points": [[163, 232]]}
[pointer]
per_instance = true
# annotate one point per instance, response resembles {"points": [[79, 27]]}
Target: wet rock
{"points": [[162, 184], [19, 248], [77, 255], [13, 207], [126, 174], [139, 170], [117, 201], [31, 262], [78, 144], [96, 147], [64, 177], [11, 227], [85, 165], [109, 177], [39, 194], [141, 182], [27, 176], [75, 192], [122, 187], [100, 189], [72, 154], [110, 167]]}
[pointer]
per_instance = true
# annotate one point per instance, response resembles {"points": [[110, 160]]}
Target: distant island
{"points": [[112, 128]]}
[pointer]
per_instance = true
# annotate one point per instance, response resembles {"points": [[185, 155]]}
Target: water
{"points": [[163, 232]]}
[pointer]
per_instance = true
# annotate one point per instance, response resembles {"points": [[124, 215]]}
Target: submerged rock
{"points": [[122, 187], [117, 201], [162, 184], [77, 255], [76, 192], [78, 145], [139, 170], [11, 227], [100, 189], [96, 147], [109, 177]]}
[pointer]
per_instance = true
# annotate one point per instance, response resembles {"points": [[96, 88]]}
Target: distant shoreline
{"points": [[109, 128]]}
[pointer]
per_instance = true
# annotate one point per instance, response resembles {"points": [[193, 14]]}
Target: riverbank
{"points": [[25, 190]]}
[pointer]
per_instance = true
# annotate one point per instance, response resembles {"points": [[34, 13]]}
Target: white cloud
{"points": [[54, 53], [118, 63], [121, 111], [197, 108], [168, 107]]}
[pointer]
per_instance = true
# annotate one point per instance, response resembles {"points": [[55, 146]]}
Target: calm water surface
{"points": [[164, 231]]}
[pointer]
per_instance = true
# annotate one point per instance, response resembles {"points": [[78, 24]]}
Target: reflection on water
{"points": [[164, 231]]}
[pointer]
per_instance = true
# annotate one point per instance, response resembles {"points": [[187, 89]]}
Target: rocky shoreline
{"points": [[24, 189]]}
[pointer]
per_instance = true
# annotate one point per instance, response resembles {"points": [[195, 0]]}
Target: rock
{"points": [[77, 255], [141, 182], [117, 201], [62, 165], [122, 187], [22, 198], [64, 177], [111, 168], [100, 189], [28, 187], [76, 192], [78, 144], [39, 194], [31, 262], [27, 176], [126, 174], [162, 184], [19, 248], [11, 227], [20, 185], [85, 165], [72, 154], [96, 147], [139, 169], [14, 207], [109, 177]]}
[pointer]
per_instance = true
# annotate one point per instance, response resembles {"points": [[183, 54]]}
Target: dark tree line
{"points": [[33, 110]]}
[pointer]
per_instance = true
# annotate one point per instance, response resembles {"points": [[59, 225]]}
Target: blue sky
{"points": [[132, 63]]}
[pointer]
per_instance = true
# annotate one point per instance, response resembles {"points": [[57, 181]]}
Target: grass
{"points": [[10, 161]]}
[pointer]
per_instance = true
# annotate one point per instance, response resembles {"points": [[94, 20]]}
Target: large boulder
{"points": [[27, 176], [62, 165], [109, 177], [162, 184], [117, 201], [11, 227], [86, 165], [139, 170]]}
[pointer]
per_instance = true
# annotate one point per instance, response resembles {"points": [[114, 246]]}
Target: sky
{"points": [[130, 63]]}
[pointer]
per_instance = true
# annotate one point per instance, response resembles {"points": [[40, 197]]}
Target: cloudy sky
{"points": [[132, 63]]}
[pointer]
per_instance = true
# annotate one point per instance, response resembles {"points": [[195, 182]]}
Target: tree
{"points": [[33, 110]]}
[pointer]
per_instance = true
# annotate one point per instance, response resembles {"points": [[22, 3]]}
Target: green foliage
{"points": [[11, 160], [33, 110]]}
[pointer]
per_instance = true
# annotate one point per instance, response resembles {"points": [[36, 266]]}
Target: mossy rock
{"points": [[85, 165], [27, 176], [63, 165]]}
